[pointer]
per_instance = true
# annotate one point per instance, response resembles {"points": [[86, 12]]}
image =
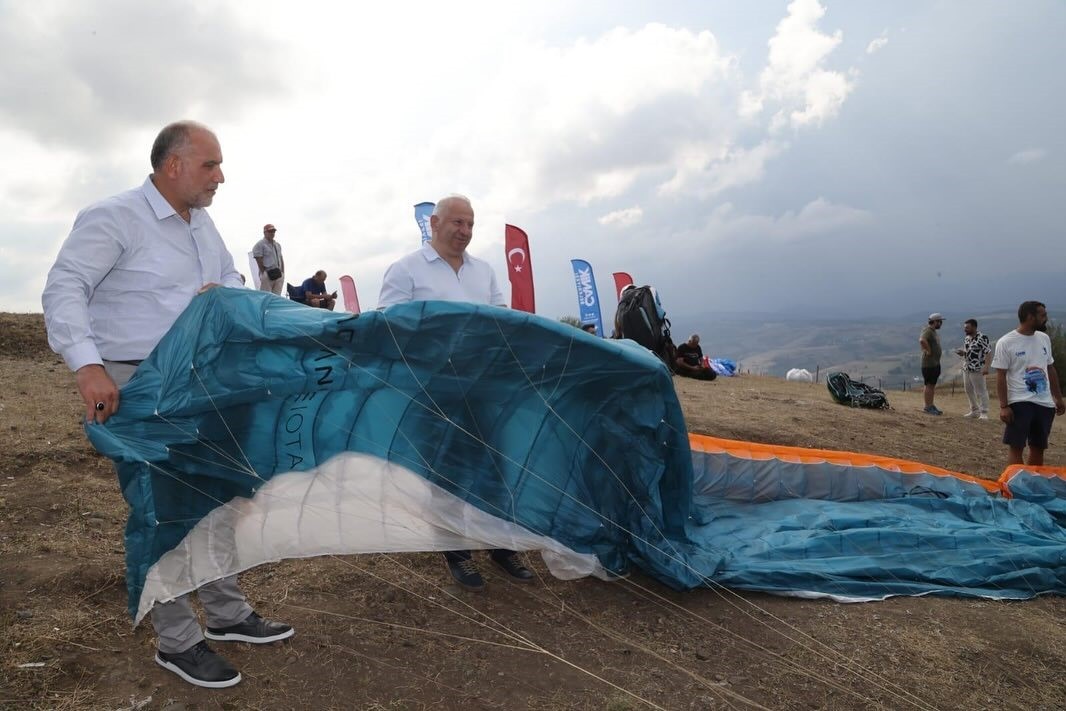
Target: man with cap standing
{"points": [[974, 352], [929, 342], [271, 262]]}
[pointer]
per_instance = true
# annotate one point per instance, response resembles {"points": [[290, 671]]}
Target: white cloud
{"points": [[795, 79], [1029, 155], [333, 129], [87, 73], [876, 44], [820, 216], [585, 122], [709, 168], [622, 218]]}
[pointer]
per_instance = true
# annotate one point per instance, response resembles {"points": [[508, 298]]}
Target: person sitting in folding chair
{"points": [[296, 293], [314, 292]]}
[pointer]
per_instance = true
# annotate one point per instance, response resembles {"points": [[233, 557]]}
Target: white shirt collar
{"points": [[161, 207], [431, 254]]}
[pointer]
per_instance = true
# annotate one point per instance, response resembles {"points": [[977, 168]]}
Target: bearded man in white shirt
{"points": [[130, 266], [1027, 385], [442, 270]]}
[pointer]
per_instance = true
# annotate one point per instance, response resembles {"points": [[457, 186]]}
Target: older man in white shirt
{"points": [[442, 270], [130, 266]]}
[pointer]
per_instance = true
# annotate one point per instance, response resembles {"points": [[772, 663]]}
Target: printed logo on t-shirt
{"points": [[1020, 353], [1036, 380]]}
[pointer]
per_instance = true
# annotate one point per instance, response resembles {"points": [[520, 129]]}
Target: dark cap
{"points": [[269, 228]]}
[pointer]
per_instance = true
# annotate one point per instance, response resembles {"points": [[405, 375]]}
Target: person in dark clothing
{"points": [[314, 292], [690, 360]]}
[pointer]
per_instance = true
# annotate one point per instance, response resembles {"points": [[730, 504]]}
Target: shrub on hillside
{"points": [[571, 320], [1058, 349]]}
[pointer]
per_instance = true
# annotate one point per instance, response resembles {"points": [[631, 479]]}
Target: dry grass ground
{"points": [[381, 632]]}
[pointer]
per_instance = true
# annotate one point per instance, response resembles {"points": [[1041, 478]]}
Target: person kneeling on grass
{"points": [[690, 360]]}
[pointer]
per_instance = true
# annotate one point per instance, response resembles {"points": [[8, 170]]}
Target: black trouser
{"points": [[701, 374], [460, 556]]}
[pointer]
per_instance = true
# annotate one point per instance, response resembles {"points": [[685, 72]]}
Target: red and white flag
{"points": [[519, 269], [621, 281]]}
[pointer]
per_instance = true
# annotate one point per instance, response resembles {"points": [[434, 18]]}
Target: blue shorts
{"points": [[1031, 423]]}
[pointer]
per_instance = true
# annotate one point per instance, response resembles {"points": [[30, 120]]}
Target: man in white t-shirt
{"points": [[443, 270], [271, 262], [1027, 385]]}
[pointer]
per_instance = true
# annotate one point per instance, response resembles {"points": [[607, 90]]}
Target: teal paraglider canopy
{"points": [[259, 429]]}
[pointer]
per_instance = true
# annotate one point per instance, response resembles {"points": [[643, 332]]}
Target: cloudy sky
{"points": [[817, 155]]}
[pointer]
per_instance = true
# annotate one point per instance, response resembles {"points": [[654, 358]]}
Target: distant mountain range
{"points": [[879, 350]]}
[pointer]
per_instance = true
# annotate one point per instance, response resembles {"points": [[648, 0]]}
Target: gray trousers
{"points": [[175, 622], [976, 391], [274, 286]]}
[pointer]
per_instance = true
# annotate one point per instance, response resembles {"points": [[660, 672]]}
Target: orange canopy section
{"points": [[1011, 471], [801, 455]]}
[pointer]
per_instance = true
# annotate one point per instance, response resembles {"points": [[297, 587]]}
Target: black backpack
{"points": [[857, 394], [640, 317]]}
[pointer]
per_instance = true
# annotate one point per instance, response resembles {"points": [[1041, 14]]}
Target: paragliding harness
{"points": [[849, 392], [641, 317]]}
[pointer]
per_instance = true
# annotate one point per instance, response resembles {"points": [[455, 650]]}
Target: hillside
{"points": [[390, 632], [871, 349]]}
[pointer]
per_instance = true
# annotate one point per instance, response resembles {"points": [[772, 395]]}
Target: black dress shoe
{"points": [[511, 564], [253, 629], [200, 665]]}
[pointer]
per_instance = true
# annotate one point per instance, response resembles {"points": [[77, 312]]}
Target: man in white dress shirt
{"points": [[442, 270], [130, 266]]}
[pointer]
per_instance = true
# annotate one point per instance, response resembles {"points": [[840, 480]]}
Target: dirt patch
{"points": [[23, 336], [389, 632]]}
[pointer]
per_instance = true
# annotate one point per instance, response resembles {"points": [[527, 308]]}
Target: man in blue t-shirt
{"points": [[314, 292]]}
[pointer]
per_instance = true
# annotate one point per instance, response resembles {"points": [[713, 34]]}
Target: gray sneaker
{"points": [[931, 410]]}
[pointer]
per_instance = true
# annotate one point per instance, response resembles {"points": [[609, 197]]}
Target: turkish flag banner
{"points": [[519, 269], [621, 281]]}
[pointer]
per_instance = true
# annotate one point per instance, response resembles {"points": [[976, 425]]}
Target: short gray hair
{"points": [[454, 197], [172, 139]]}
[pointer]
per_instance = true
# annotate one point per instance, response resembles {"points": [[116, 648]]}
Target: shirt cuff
{"points": [[82, 354]]}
